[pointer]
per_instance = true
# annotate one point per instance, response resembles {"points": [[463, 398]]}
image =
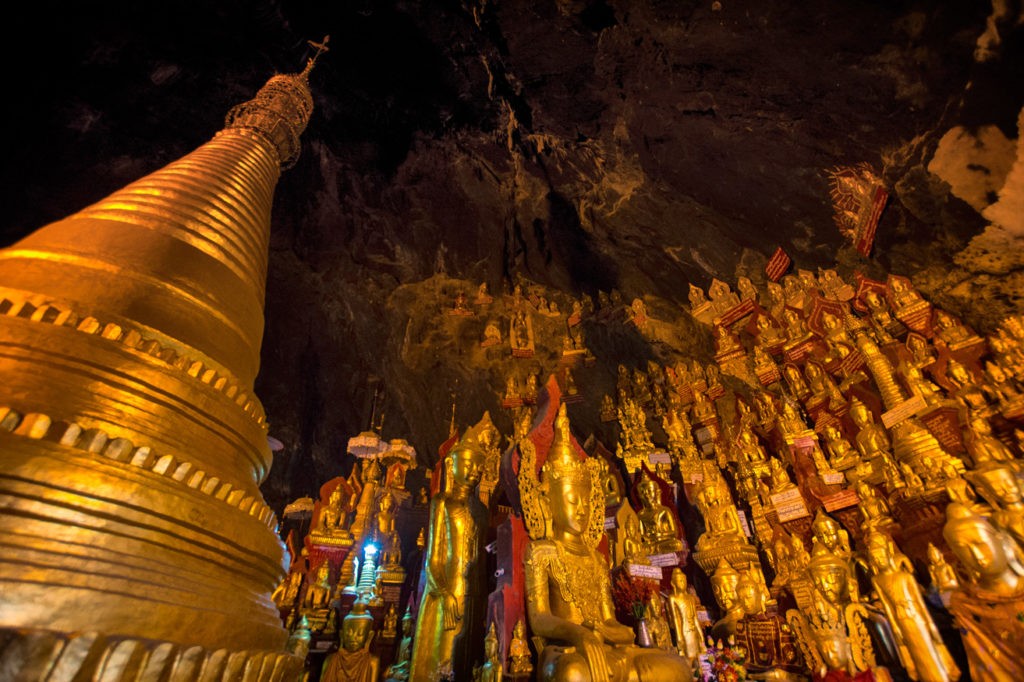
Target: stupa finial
{"points": [[320, 48]]}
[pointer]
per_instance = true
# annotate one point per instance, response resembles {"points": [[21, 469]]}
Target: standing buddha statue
{"points": [[920, 647], [449, 606], [569, 602], [682, 614]]}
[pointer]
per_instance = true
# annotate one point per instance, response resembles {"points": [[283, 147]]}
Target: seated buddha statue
{"points": [[318, 591], [353, 662], [987, 604], [828, 532], [520, 664], [569, 602], [399, 670], [721, 520], [658, 521], [841, 455], [966, 391], [943, 575], [779, 476], [491, 669], [872, 441]]}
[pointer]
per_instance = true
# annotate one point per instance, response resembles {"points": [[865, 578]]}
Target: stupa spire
{"points": [[131, 445]]}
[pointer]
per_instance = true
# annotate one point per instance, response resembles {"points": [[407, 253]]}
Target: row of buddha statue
{"points": [[847, 466]]}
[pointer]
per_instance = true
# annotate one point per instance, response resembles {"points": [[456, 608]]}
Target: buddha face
{"points": [[649, 493], [860, 414], [724, 588], [826, 530], [678, 580], [355, 631], [957, 373], [829, 581], [879, 552], [467, 467], [749, 596], [977, 546], [570, 505], [1000, 485]]}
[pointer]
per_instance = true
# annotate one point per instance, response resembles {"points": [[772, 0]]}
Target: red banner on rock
{"points": [[777, 265]]}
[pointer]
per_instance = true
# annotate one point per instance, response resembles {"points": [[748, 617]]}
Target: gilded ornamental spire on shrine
{"points": [[131, 444]]}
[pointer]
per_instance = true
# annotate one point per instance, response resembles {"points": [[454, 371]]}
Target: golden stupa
{"points": [[135, 540]]}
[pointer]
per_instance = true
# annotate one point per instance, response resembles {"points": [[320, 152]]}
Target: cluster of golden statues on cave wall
{"points": [[849, 463]]}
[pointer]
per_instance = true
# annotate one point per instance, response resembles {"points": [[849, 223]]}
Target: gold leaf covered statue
{"points": [[490, 671], [399, 670], [918, 642], [448, 608], [519, 651], [659, 523], [569, 600], [988, 604], [682, 615], [353, 661]]}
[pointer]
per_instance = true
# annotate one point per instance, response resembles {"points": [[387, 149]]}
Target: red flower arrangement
{"points": [[631, 595]]}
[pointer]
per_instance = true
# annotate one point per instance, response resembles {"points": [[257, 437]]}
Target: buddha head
{"points": [[829, 574], [724, 583], [491, 643], [749, 595], [860, 413], [356, 628], [649, 492], [881, 551], [976, 543], [957, 373], [826, 530], [998, 485], [568, 482], [678, 581]]}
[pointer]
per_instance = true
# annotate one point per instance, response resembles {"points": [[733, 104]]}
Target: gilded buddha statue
{"points": [[491, 670], [353, 662], [827, 531], [721, 520], [987, 605], [943, 575], [1000, 486], [682, 615], [920, 647], [568, 588], [449, 609], [399, 670], [519, 652], [723, 584], [659, 523]]}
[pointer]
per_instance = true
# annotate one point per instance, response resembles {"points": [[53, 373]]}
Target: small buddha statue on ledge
{"points": [[569, 601], [353, 662], [659, 523], [399, 670], [519, 652], [491, 670]]}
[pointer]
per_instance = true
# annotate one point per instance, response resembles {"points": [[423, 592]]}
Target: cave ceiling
{"points": [[576, 147]]}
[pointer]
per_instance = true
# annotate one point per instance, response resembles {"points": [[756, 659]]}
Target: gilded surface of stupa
{"points": [[135, 538]]}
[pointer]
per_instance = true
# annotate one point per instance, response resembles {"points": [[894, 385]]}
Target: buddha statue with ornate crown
{"points": [[569, 602], [659, 522]]}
